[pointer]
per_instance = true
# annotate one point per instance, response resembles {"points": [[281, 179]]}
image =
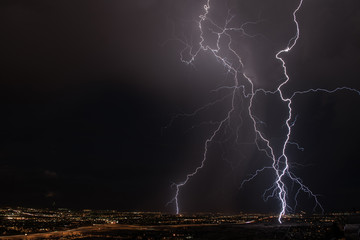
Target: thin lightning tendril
{"points": [[280, 165]]}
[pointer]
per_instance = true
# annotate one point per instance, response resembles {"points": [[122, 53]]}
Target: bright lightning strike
{"points": [[279, 164]]}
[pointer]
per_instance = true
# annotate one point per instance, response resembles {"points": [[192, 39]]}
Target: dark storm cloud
{"points": [[87, 87], [147, 3]]}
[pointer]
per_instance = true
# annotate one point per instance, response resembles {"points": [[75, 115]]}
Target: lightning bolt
{"points": [[243, 84]]}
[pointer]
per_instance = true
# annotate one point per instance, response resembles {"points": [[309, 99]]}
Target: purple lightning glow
{"points": [[279, 164]]}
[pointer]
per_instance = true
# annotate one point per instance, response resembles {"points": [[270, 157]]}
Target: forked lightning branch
{"points": [[244, 84]]}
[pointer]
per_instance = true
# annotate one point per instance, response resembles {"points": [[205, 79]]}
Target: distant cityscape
{"points": [[62, 223]]}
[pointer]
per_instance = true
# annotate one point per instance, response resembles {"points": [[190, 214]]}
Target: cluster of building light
{"points": [[29, 220]]}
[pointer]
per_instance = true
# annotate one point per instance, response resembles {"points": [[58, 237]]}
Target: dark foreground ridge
{"points": [[28, 223]]}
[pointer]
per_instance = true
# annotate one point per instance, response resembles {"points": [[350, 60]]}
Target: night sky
{"points": [[88, 87]]}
